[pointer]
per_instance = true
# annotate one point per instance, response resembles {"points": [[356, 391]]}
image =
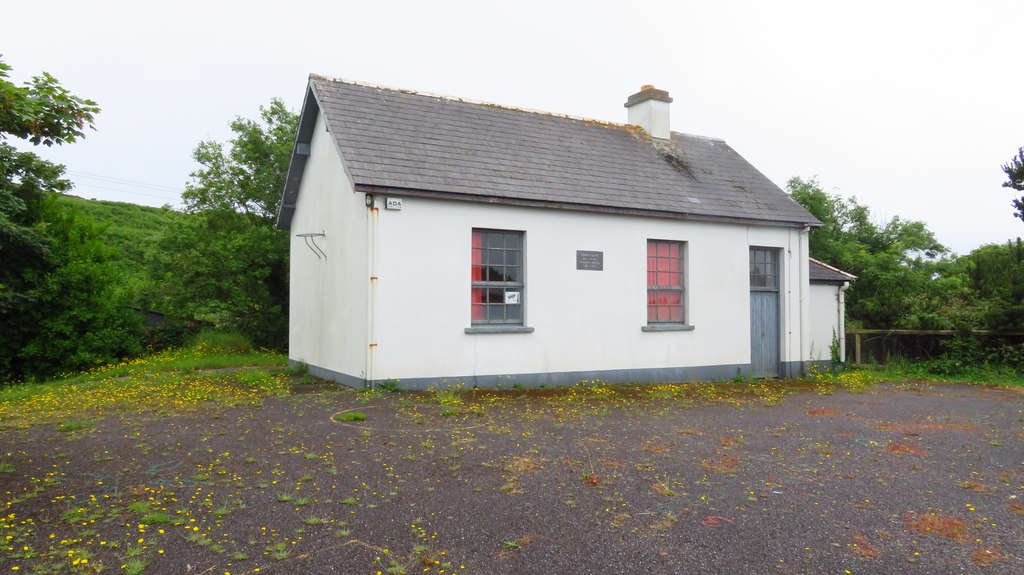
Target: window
{"points": [[764, 269], [497, 296], [665, 282]]}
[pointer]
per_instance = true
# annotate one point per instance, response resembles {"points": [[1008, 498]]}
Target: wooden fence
{"points": [[878, 346]]}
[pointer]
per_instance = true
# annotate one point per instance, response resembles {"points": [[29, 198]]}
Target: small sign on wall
{"points": [[393, 203], [511, 298], [588, 260]]}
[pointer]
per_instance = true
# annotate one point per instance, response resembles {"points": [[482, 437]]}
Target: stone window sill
{"points": [[667, 327], [497, 328]]}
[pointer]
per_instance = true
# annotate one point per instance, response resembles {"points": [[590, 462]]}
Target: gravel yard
{"points": [[729, 478]]}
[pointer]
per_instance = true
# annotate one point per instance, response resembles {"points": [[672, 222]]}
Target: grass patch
{"points": [[350, 416], [69, 426], [156, 519], [279, 551], [135, 566], [171, 381], [221, 342]]}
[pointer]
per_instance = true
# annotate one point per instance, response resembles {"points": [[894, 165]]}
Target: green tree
{"points": [[1014, 171], [996, 274], [899, 264], [248, 177], [56, 297], [42, 111], [226, 264]]}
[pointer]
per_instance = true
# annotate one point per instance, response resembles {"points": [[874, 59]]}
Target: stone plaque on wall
{"points": [[587, 260]]}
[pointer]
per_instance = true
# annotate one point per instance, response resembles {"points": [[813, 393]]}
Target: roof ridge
{"points": [[461, 100], [493, 105]]}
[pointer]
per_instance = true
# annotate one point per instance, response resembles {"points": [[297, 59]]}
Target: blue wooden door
{"points": [[764, 312]]}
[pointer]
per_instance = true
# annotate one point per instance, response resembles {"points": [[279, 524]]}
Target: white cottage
{"points": [[437, 241]]}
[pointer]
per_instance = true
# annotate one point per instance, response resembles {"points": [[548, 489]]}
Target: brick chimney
{"points": [[648, 109]]}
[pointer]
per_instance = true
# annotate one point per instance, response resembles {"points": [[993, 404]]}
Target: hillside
{"points": [[132, 229]]}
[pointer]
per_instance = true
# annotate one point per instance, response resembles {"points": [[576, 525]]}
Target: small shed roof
{"points": [[403, 142], [822, 273]]}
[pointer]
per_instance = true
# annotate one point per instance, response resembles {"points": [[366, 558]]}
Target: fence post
{"points": [[856, 348]]}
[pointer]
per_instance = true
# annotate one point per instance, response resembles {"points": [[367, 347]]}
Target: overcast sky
{"points": [[911, 106]]}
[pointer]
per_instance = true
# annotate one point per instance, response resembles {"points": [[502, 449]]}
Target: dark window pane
{"points": [[514, 312]]}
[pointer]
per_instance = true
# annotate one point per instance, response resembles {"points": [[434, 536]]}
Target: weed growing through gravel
{"points": [[447, 396], [853, 380], [351, 416]]}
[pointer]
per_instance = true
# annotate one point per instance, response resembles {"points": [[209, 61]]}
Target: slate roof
{"points": [[822, 273], [403, 142]]}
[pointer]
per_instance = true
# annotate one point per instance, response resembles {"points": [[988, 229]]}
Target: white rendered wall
{"points": [[328, 320], [583, 320], [825, 319]]}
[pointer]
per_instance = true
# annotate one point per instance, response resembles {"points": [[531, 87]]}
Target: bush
{"points": [[221, 342], [966, 355], [959, 355], [169, 333]]}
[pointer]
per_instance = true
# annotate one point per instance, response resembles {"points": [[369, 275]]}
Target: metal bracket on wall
{"points": [[310, 240]]}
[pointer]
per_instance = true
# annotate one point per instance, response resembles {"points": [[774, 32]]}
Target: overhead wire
{"points": [[160, 192], [96, 187]]}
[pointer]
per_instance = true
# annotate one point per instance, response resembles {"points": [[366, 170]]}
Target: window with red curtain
{"points": [[497, 277], [665, 281]]}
